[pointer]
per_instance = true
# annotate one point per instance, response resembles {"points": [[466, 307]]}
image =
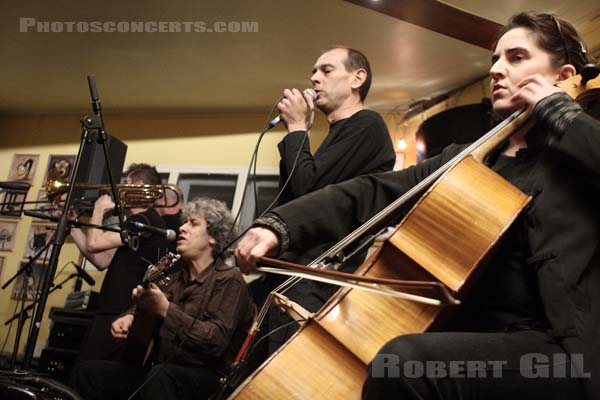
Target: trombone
{"points": [[130, 196]]}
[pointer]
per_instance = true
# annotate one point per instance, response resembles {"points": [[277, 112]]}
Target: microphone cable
{"points": [[252, 168]]}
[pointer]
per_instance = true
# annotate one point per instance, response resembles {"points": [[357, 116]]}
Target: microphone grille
{"points": [[311, 93], [170, 235]]}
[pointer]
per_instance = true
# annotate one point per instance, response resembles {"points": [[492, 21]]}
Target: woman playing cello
{"points": [[530, 327]]}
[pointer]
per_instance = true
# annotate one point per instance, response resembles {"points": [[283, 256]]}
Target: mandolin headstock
{"points": [[157, 273]]}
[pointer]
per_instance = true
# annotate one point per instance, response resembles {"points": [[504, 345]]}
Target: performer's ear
{"points": [[360, 76], [565, 72]]}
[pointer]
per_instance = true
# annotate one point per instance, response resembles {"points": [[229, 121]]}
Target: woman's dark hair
{"points": [[553, 34]]}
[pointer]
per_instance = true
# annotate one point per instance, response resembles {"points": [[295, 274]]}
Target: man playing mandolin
{"points": [[530, 327], [204, 314]]}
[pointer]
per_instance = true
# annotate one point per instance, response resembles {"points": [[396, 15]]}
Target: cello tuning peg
{"points": [[589, 72]]}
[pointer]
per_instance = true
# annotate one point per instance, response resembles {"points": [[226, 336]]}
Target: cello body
{"points": [[444, 238]]}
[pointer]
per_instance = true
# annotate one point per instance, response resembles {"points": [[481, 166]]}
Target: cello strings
{"points": [[383, 214]]}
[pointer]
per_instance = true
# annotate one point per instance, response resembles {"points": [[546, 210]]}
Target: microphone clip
{"points": [[134, 241]]}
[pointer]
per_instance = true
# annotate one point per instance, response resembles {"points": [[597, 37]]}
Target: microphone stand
{"points": [[98, 123], [23, 316], [57, 243], [71, 222], [29, 307], [29, 263], [87, 122], [27, 269]]}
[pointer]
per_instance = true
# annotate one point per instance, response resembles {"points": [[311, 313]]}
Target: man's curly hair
{"points": [[219, 221]]}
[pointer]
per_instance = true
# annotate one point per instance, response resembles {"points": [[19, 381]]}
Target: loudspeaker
{"points": [[82, 300], [58, 363], [67, 333], [93, 168], [69, 327]]}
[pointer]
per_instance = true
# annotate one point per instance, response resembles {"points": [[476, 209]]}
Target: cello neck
{"points": [[481, 148], [478, 149]]}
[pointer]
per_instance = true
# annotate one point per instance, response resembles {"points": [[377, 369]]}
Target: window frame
{"points": [[175, 171]]}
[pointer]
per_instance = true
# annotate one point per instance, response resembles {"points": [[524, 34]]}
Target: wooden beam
{"points": [[438, 17]]}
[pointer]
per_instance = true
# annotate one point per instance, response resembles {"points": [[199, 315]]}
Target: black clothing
{"points": [[561, 227], [354, 146], [506, 295], [103, 380], [205, 326], [173, 221], [127, 268], [475, 366], [125, 272], [98, 343]]}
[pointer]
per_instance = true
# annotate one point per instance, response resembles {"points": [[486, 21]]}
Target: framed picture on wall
{"points": [[28, 282], [60, 167], [23, 168], [38, 236], [8, 235]]}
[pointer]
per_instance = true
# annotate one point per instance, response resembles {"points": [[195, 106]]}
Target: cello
{"points": [[463, 210]]}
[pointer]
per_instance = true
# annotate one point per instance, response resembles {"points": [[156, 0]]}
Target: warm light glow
{"points": [[334, 313], [401, 146], [399, 164]]}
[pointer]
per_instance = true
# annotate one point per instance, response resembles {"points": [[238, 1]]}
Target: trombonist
{"points": [[125, 265]]}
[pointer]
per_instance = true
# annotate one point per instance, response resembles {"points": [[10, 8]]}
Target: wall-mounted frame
{"points": [[28, 282], [8, 235], [39, 235], [23, 168], [61, 166]]}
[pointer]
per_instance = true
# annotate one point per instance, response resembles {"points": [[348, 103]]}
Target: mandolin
{"points": [[138, 344]]}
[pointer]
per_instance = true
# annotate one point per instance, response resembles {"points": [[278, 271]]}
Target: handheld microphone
{"points": [[86, 277], [277, 119], [168, 234], [15, 185]]}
